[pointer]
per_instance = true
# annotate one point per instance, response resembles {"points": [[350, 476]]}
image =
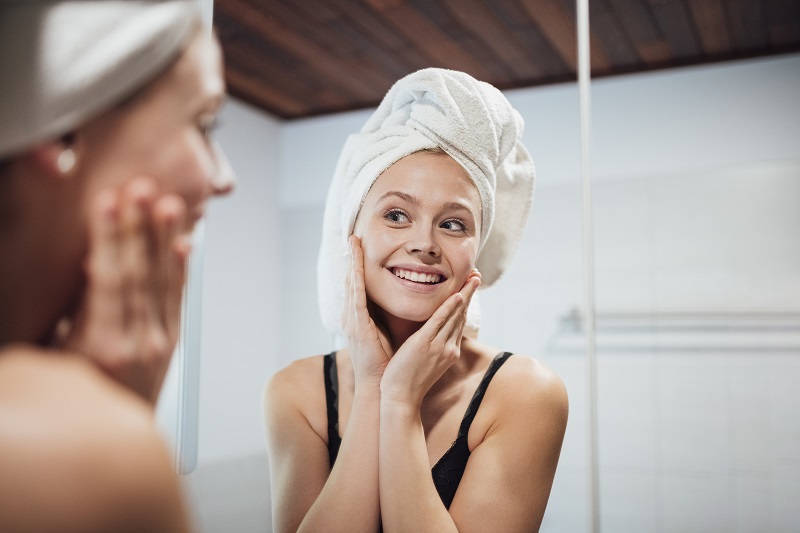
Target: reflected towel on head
{"points": [[473, 123], [64, 62]]}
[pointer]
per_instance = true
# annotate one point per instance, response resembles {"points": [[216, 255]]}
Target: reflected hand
{"points": [[368, 344], [129, 319], [428, 353]]}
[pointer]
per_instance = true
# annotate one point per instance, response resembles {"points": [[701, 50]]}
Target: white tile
{"points": [[784, 413], [623, 225], [231, 495], [750, 405], [753, 506], [696, 503], [785, 492], [693, 428], [626, 411], [694, 287], [568, 506], [627, 500]]}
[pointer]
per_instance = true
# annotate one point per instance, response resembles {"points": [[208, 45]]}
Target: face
{"points": [[420, 230], [164, 133]]}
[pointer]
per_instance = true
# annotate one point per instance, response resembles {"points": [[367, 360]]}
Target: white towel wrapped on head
{"points": [[473, 123], [65, 62]]}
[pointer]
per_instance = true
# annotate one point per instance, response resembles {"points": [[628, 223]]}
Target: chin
{"points": [[411, 312]]}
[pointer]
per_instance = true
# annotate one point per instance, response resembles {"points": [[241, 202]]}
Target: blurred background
{"points": [[696, 192]]}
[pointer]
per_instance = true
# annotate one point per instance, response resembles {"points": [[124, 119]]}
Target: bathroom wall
{"points": [[228, 490], [696, 171]]}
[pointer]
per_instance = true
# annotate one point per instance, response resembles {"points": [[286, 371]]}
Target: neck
{"points": [[398, 329]]}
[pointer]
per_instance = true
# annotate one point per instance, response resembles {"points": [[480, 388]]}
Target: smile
{"points": [[418, 277]]}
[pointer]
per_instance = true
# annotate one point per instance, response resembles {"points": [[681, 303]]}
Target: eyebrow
{"points": [[403, 196], [413, 200]]}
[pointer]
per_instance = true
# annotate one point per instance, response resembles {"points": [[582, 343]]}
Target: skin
{"points": [[91, 304], [406, 378]]}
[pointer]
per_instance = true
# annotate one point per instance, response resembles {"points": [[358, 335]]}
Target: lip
{"points": [[422, 269], [423, 288]]}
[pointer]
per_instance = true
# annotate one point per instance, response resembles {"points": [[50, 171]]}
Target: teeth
{"points": [[418, 277]]}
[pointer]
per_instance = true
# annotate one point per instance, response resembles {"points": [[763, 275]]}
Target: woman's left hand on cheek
{"points": [[129, 320], [429, 352]]}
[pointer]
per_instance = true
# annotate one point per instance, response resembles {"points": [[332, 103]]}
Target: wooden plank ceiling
{"points": [[301, 58]]}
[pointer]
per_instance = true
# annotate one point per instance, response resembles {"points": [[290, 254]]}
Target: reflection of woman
{"points": [[435, 184], [105, 165]]}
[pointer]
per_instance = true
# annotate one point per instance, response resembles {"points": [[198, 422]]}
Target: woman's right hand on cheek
{"points": [[428, 353], [368, 344], [129, 319]]}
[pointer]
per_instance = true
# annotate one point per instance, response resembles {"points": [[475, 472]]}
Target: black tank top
{"points": [[447, 472]]}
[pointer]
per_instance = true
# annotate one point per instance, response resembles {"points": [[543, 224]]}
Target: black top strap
{"points": [[447, 472], [477, 398], [332, 401]]}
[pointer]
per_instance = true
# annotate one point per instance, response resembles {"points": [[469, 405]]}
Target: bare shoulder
{"points": [[297, 389], [296, 381], [525, 389], [84, 453]]}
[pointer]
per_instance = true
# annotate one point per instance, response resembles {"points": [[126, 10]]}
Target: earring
{"points": [[66, 161]]}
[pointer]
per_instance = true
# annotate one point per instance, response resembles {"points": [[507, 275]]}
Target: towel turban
{"points": [[64, 62], [473, 123]]}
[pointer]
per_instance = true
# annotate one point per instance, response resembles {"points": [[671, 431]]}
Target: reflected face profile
{"points": [[420, 231], [164, 132]]}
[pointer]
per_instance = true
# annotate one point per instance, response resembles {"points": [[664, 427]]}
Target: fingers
{"points": [[129, 320], [471, 285], [447, 323], [171, 256], [136, 248], [103, 274], [359, 291]]}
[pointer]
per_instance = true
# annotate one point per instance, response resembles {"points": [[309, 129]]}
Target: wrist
{"points": [[395, 406], [367, 390]]}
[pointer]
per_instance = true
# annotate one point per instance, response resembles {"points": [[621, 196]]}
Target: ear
{"points": [[58, 158]]}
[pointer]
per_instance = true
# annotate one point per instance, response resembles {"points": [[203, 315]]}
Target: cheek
{"points": [[185, 167], [464, 257]]}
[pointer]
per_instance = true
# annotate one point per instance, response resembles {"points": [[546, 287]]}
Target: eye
{"points": [[207, 124], [396, 216], [454, 224]]}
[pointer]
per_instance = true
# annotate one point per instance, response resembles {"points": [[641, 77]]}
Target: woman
{"points": [[105, 166], [436, 184]]}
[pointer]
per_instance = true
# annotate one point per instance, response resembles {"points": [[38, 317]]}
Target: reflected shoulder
{"points": [[299, 386], [528, 386], [298, 376]]}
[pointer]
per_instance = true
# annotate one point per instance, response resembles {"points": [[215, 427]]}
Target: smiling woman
{"points": [[105, 166], [415, 425], [419, 229]]}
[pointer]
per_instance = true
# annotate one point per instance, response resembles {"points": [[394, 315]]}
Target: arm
{"points": [[307, 494], [517, 459], [509, 474], [409, 500]]}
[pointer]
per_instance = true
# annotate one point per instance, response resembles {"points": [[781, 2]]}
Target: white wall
{"points": [[241, 280], [674, 227]]}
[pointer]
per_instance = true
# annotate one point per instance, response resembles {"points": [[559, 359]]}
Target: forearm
{"points": [[349, 500], [408, 498]]}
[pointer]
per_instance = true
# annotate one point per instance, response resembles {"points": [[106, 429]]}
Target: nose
{"points": [[423, 242], [224, 180]]}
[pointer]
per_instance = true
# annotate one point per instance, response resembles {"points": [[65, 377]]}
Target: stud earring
{"points": [[66, 161]]}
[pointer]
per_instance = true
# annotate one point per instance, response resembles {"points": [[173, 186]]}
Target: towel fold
{"points": [[473, 123], [66, 61]]}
